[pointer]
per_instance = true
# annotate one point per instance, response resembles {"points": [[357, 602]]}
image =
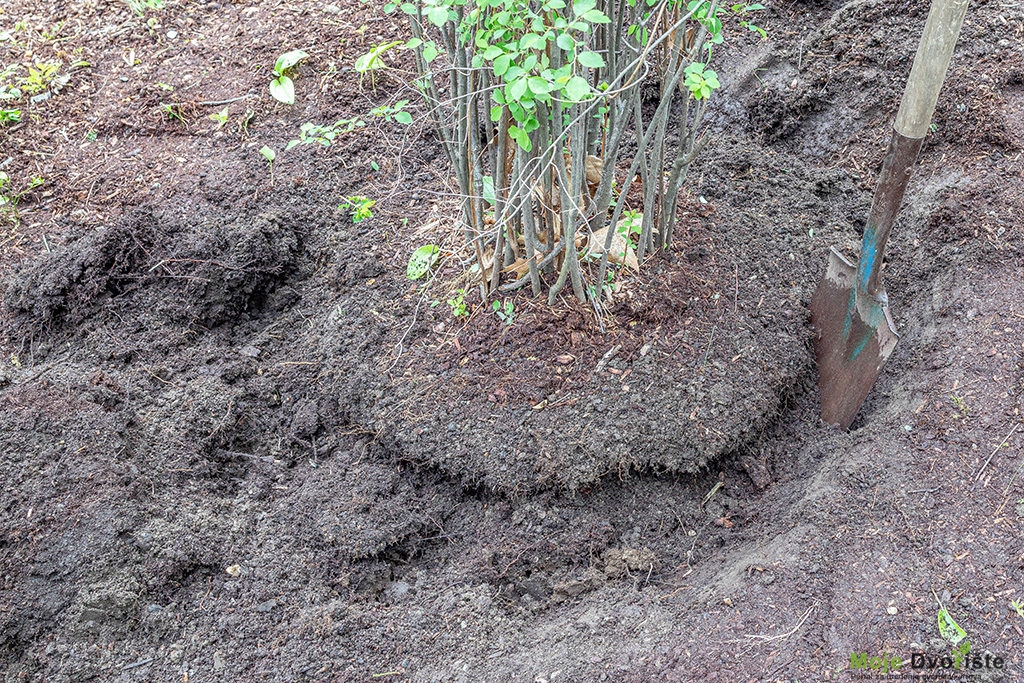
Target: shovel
{"points": [[850, 309]]}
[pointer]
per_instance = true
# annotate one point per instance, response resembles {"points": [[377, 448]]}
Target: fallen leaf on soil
{"points": [[621, 252], [521, 267]]}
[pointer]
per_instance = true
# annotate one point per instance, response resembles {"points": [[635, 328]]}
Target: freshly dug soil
{"points": [[237, 443]]}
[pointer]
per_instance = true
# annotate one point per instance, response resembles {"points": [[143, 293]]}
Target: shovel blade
{"points": [[856, 335]]}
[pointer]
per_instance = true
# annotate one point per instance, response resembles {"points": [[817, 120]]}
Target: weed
{"points": [[421, 261], [457, 303], [373, 60], [359, 207], [324, 135], [39, 77], [243, 125], [91, 136], [395, 112], [140, 6], [506, 312], [220, 117], [954, 634], [269, 155], [282, 88], [173, 111], [1018, 606], [165, 86], [960, 404], [630, 226], [9, 198], [10, 115]]}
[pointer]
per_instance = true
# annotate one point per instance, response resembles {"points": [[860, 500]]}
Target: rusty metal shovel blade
{"points": [[850, 309], [856, 335]]}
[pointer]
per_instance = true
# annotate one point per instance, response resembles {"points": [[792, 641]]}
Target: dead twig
{"points": [[995, 450], [787, 633]]}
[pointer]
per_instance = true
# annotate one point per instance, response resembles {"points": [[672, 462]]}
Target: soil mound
{"points": [[205, 272]]}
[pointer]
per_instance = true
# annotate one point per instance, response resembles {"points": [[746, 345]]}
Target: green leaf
{"points": [[288, 60], [581, 7], [521, 137], [283, 90], [493, 52], [429, 52], [438, 16], [517, 89], [488, 183], [292, 143], [413, 43], [539, 86], [496, 114], [565, 42], [403, 117], [268, 153], [528, 41], [408, 8], [949, 629], [591, 60], [577, 88], [421, 261], [596, 16], [501, 65]]}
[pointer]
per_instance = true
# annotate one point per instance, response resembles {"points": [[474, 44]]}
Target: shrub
{"points": [[533, 100]]}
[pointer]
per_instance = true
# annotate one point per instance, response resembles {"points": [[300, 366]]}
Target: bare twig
{"points": [[788, 633], [996, 450]]}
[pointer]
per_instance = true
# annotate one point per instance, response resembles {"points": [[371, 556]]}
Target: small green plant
{"points": [[165, 86], [395, 112], [221, 118], [324, 135], [282, 88], [960, 404], [10, 115], [457, 303], [140, 6], [952, 633], [1018, 606], [9, 199], [421, 261], [243, 125], [269, 155], [90, 136], [608, 288], [506, 312], [631, 225], [373, 60], [39, 77], [359, 207], [173, 111]]}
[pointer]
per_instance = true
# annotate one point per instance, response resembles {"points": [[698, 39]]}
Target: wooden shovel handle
{"points": [[929, 71]]}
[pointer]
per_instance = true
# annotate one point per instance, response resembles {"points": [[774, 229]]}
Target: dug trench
{"points": [[237, 443]]}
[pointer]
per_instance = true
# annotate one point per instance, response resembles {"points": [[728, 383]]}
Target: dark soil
{"points": [[237, 443]]}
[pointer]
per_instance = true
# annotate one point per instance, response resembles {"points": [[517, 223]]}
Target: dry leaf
{"points": [[620, 252], [521, 267]]}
